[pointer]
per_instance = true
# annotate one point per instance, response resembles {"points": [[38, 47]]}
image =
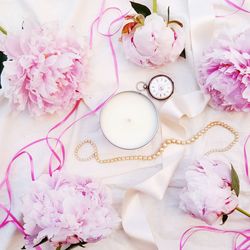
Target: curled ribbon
{"points": [[109, 36], [238, 243], [245, 234], [238, 7], [246, 158], [242, 245], [6, 182], [60, 158]]}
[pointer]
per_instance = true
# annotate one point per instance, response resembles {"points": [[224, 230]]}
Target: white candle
{"points": [[129, 120]]}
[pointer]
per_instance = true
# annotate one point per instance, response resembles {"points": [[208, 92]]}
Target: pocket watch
{"points": [[160, 87]]}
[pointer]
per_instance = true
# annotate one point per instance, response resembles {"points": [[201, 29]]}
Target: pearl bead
{"points": [[163, 146]]}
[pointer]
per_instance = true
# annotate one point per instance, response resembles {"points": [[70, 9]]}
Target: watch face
{"points": [[161, 87]]}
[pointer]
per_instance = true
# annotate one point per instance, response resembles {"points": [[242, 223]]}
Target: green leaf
{"points": [[224, 218], [235, 181], [141, 9], [3, 30], [71, 246], [41, 242], [183, 54], [3, 58], [80, 244]]}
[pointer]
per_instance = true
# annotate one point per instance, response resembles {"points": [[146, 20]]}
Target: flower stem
{"points": [[3, 30], [59, 248], [243, 211], [155, 6]]}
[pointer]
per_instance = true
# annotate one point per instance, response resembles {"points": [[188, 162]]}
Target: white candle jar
{"points": [[129, 120]]}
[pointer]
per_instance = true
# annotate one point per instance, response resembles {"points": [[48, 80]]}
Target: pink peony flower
{"points": [[152, 43], [46, 68], [208, 193], [224, 72], [67, 210]]}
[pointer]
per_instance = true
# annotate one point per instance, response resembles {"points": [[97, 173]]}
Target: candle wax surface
{"points": [[129, 120]]}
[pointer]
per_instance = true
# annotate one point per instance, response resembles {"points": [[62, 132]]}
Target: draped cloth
{"points": [[145, 193]]}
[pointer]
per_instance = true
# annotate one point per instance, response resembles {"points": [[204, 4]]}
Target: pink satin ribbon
{"points": [[243, 245], [245, 234], [60, 157], [238, 7], [246, 158], [109, 36], [6, 182]]}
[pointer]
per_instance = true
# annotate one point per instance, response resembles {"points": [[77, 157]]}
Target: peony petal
{"points": [[246, 93], [153, 44], [46, 70]]}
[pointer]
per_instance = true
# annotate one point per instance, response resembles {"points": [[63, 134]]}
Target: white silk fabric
{"points": [[145, 193]]}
